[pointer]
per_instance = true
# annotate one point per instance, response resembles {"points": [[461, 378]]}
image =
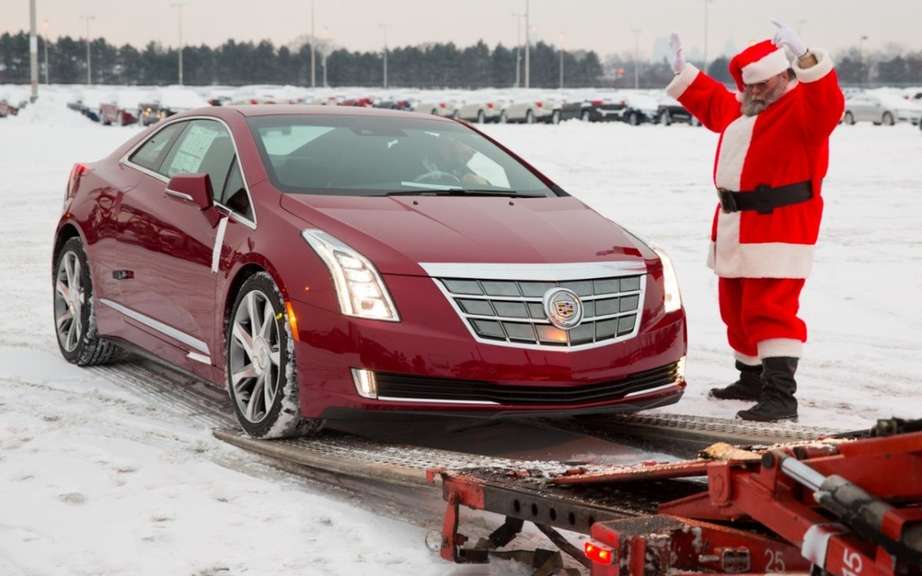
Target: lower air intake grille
{"points": [[397, 386]]}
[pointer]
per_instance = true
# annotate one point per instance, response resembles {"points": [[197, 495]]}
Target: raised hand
{"points": [[678, 57], [787, 37]]}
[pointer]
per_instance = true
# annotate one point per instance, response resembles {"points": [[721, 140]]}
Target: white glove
{"points": [[788, 38], [678, 57]]}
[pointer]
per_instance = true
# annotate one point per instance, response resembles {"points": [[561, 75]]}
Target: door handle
{"points": [[179, 195]]}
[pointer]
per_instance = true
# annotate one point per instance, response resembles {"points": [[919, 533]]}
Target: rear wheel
{"points": [[481, 117], [633, 119], [555, 117], [529, 117], [665, 118], [585, 116], [887, 119], [849, 118], [74, 315], [503, 119], [261, 375]]}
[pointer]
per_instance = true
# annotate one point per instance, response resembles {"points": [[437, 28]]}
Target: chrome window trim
{"points": [[463, 316], [562, 272], [235, 215], [165, 329]]}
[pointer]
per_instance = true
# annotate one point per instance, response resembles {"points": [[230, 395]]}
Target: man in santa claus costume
{"points": [[768, 172]]}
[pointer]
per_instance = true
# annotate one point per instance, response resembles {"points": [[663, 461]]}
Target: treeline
{"points": [[442, 65]]}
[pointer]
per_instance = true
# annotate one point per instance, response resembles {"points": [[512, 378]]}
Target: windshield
{"points": [[378, 156]]}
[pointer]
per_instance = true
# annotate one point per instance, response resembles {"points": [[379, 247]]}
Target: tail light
{"points": [[539, 104], [441, 104], [76, 173], [598, 102], [598, 553]]}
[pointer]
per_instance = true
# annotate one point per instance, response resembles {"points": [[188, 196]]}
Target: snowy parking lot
{"points": [[97, 480]]}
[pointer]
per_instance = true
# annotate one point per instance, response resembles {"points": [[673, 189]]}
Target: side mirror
{"points": [[192, 188]]}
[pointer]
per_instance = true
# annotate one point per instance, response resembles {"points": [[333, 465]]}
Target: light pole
{"points": [[518, 48], [561, 61], [865, 73], [33, 50], [636, 32], [706, 18], [313, 51], [47, 62], [527, 43], [384, 27], [179, 7], [323, 57], [89, 60]]}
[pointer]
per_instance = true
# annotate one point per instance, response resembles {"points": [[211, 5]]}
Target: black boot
{"points": [[778, 386], [748, 387]]}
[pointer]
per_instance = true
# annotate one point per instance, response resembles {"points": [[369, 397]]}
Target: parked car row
{"points": [[7, 108], [882, 107]]}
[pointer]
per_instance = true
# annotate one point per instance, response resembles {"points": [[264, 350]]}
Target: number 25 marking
{"points": [[774, 561]]}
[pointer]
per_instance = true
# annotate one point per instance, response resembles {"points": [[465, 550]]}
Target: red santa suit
{"points": [[762, 259]]}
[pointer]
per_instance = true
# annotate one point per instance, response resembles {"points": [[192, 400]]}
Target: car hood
{"points": [[398, 233]]}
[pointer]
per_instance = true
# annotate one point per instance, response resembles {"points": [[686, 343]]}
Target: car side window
{"points": [[235, 195], [205, 146], [150, 154]]}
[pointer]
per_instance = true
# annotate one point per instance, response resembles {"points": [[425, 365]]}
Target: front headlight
{"points": [[360, 290], [671, 295]]}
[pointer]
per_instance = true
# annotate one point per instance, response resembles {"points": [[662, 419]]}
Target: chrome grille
{"points": [[511, 312]]}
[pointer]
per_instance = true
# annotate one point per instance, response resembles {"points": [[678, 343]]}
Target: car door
{"points": [[167, 245]]}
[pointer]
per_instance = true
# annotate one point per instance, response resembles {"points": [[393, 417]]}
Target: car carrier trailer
{"points": [[848, 506]]}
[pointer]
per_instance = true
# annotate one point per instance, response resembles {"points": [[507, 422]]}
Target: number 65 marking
{"points": [[852, 563]]}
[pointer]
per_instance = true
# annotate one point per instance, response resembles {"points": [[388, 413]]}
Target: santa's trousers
{"points": [[761, 317]]}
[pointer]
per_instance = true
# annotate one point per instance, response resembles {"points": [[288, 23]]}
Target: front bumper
{"points": [[432, 343]]}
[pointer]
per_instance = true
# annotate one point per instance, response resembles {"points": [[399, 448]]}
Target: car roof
{"points": [[315, 110]]}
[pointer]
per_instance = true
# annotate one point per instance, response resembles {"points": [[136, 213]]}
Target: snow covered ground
{"points": [[95, 479]]}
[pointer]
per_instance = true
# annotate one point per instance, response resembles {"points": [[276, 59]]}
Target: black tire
{"points": [[585, 116], [481, 117], [887, 119], [503, 119], [529, 117], [89, 349], [849, 118], [283, 418], [633, 119], [555, 117], [665, 118]]}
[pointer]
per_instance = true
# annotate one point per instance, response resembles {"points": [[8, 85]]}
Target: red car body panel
{"points": [[128, 223]]}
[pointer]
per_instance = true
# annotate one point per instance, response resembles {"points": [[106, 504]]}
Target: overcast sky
{"points": [[603, 25]]}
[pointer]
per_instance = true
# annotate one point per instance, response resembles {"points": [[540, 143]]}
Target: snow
{"points": [[97, 479]]}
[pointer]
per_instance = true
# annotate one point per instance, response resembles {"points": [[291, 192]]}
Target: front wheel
{"points": [[74, 315], [887, 119], [261, 375], [529, 117], [633, 119], [481, 117], [555, 117], [849, 118], [665, 118]]}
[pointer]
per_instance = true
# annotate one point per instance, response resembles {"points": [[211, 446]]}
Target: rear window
{"points": [[371, 156]]}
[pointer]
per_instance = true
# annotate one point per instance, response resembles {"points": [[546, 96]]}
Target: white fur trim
{"points": [[747, 360], [781, 348], [682, 81], [770, 65], [733, 149], [822, 67], [730, 259]]}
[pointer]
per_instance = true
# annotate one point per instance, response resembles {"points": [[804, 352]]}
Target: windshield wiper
{"points": [[463, 192]]}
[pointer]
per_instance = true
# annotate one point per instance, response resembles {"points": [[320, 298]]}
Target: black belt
{"points": [[764, 199]]}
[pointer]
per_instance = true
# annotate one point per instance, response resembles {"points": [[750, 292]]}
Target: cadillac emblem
{"points": [[563, 308]]}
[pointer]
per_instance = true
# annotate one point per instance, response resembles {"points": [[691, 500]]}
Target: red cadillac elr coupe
{"points": [[326, 262]]}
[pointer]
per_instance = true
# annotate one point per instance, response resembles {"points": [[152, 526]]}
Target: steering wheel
{"points": [[439, 177]]}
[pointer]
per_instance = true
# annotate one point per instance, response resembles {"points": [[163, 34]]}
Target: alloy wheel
{"points": [[255, 357], [68, 301]]}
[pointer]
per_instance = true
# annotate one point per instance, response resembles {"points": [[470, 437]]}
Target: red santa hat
{"points": [[758, 63]]}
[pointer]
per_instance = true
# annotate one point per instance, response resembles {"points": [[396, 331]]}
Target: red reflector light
{"points": [[539, 104], [598, 553], [441, 104], [489, 105]]}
